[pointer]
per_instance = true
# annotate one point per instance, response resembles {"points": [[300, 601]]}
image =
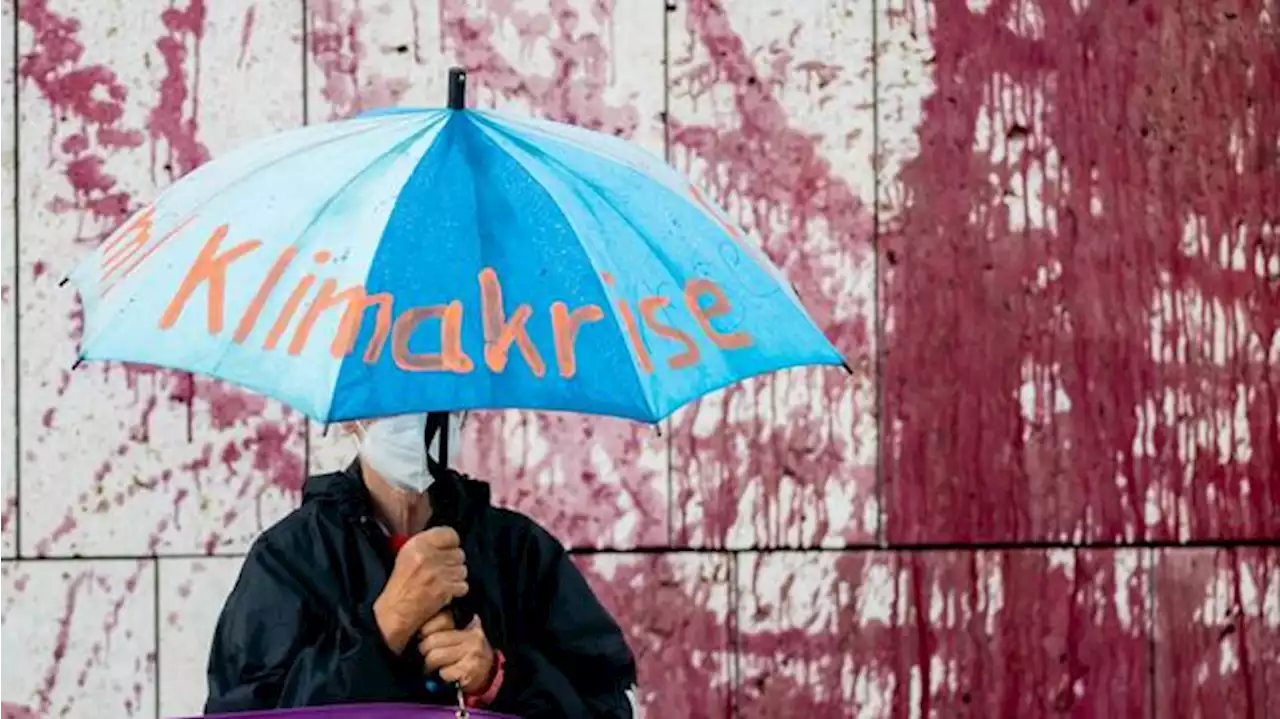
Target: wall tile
{"points": [[1020, 633], [8, 298], [191, 595], [1028, 633], [120, 459], [771, 111], [816, 633], [79, 638], [1217, 633], [675, 611]]}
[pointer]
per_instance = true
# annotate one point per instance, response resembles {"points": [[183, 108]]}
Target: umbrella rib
{"points": [[359, 174], [626, 164], [551, 160], [468, 153], [548, 129], [598, 191]]}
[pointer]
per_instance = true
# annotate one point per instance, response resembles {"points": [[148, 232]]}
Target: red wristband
{"points": [[495, 684]]}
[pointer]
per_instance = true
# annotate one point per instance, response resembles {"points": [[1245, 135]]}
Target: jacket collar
{"points": [[456, 499]]}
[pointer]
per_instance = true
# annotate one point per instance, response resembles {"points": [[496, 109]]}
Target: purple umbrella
{"points": [[365, 711]]}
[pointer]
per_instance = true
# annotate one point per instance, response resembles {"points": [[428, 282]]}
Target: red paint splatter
{"points": [[94, 98], [336, 50], [1132, 310], [335, 46], [272, 458], [777, 175], [45, 692], [10, 513], [88, 95], [679, 635], [246, 34], [1108, 329], [1069, 632], [83, 590], [170, 120], [1217, 652], [10, 710], [572, 93], [44, 547]]}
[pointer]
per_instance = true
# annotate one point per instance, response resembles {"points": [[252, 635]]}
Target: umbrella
{"points": [[429, 260]]}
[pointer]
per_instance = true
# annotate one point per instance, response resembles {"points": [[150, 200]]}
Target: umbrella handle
{"points": [[457, 88], [462, 712], [438, 422], [437, 428]]}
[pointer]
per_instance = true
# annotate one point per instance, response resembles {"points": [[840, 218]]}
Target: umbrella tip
{"points": [[76, 366], [64, 281], [457, 88]]}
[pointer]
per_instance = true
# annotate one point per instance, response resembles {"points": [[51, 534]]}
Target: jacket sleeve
{"points": [[573, 661], [272, 648]]}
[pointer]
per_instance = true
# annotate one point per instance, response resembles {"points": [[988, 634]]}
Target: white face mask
{"points": [[393, 447]]}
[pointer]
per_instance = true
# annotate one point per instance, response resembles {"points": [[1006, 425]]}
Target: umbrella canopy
{"points": [[414, 260]]}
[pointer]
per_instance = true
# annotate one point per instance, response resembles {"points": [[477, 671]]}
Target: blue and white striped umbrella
{"points": [[415, 260]]}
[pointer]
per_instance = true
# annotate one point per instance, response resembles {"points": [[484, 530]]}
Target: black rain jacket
{"points": [[298, 629]]}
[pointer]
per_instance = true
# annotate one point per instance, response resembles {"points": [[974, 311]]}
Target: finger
{"points": [[442, 622], [438, 659], [442, 538], [451, 583], [456, 573], [459, 672], [443, 557], [444, 639]]}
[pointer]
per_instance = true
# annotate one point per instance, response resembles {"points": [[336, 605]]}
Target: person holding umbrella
{"points": [[384, 273], [348, 598]]}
